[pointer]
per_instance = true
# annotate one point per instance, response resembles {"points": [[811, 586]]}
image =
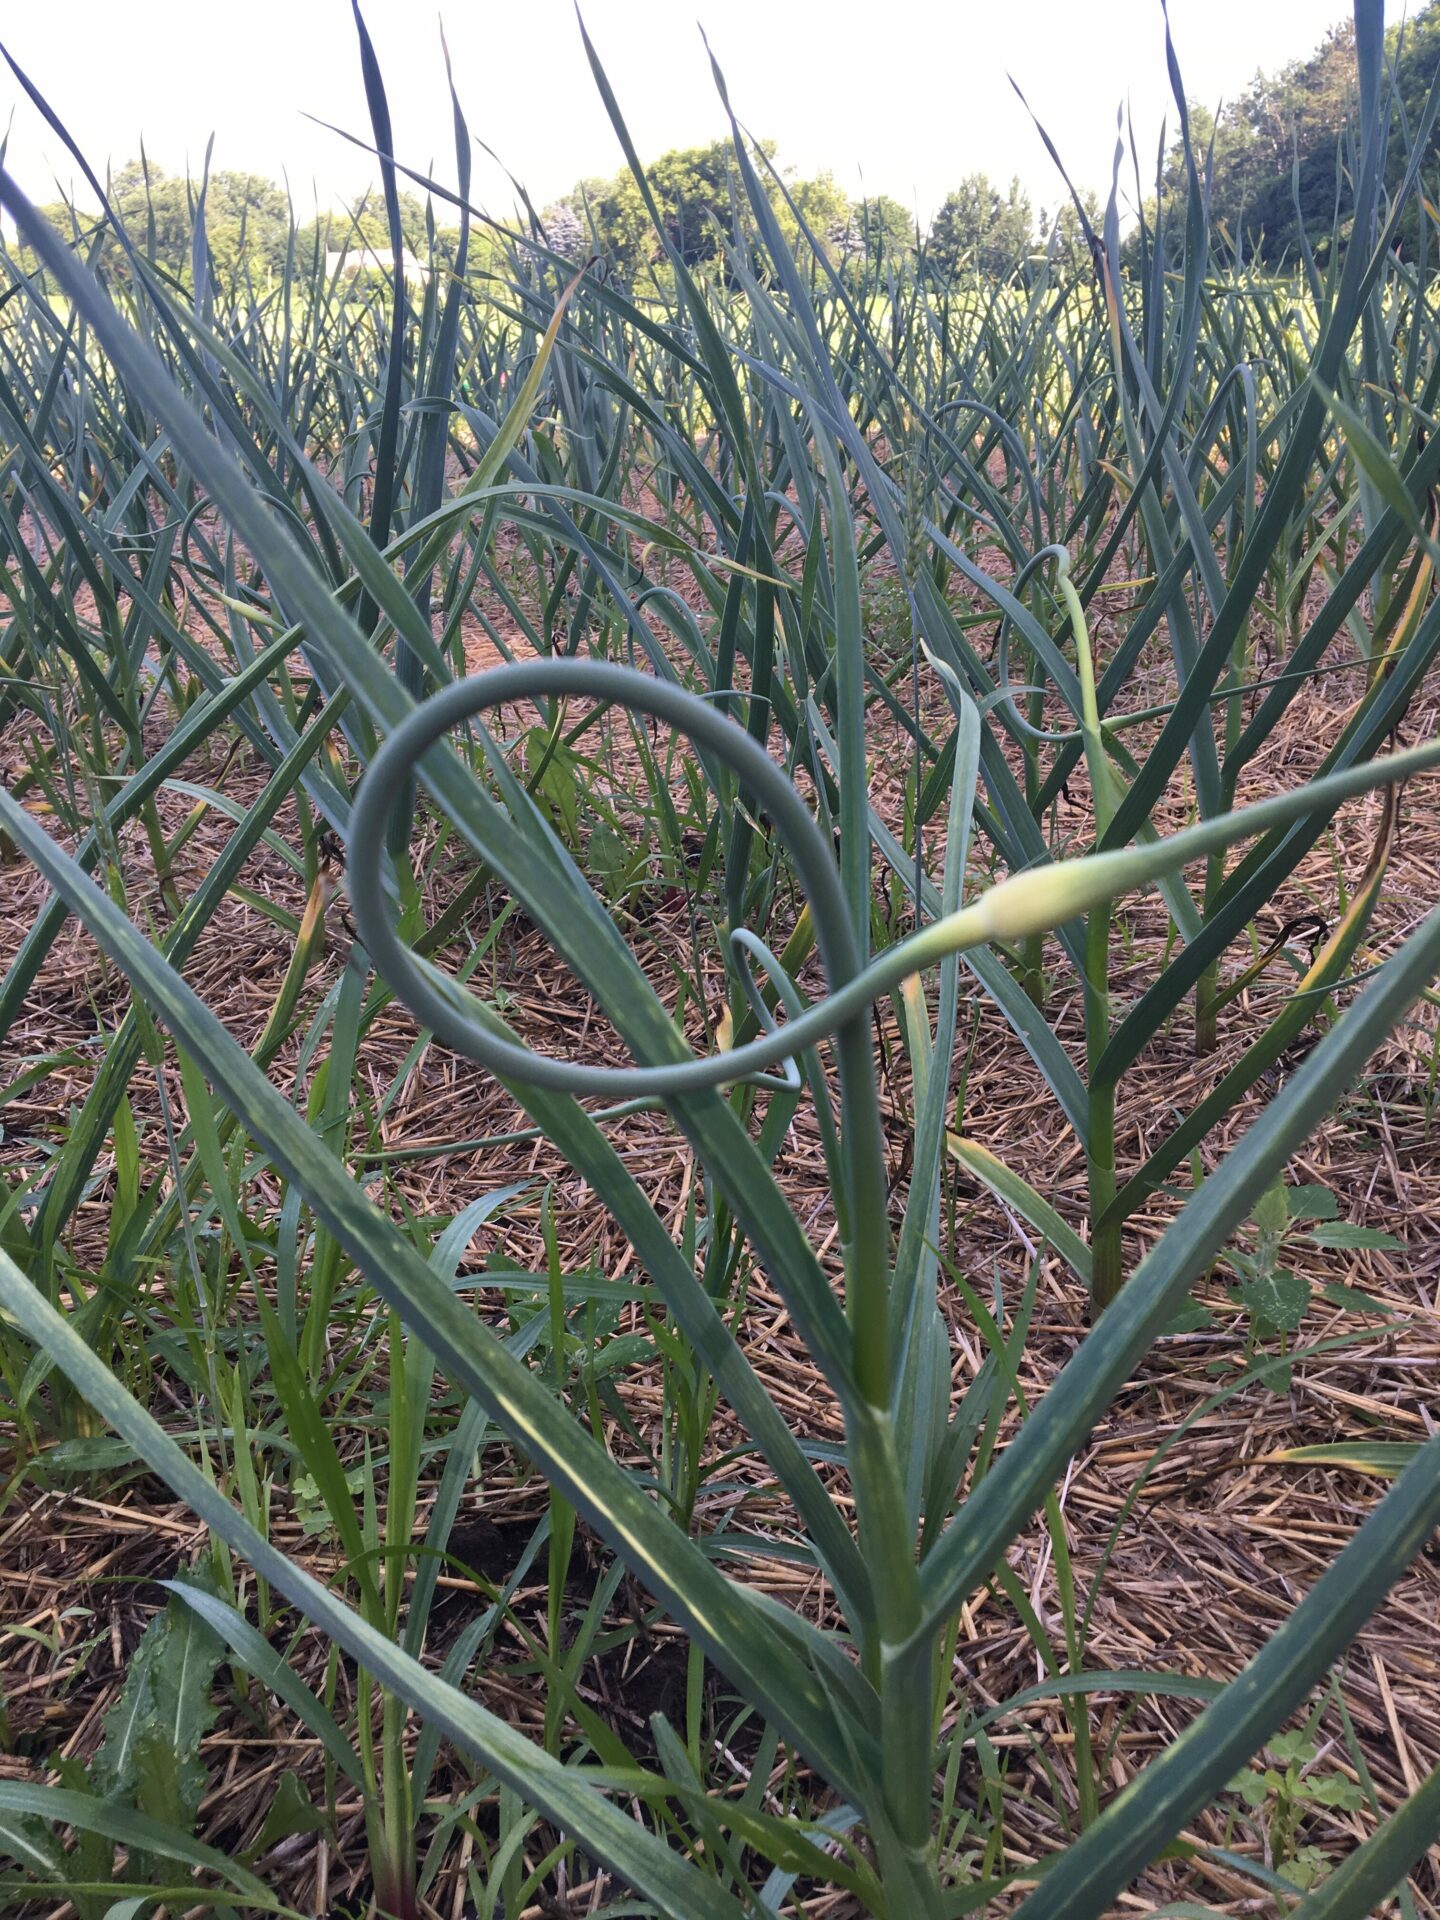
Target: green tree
{"points": [[247, 220], [702, 204], [1063, 234], [155, 209], [826, 211], [366, 225], [1277, 155], [887, 233], [694, 194], [979, 228]]}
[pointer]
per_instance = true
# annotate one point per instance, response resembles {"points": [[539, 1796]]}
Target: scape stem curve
{"points": [[441, 1005]]}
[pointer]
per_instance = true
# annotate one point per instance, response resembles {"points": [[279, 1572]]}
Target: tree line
{"points": [[1276, 162], [250, 225]]}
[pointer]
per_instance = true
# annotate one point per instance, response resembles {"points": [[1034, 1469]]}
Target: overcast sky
{"points": [[894, 96]]}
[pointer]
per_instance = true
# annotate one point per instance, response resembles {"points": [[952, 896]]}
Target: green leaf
{"points": [[1384, 1458], [1353, 1299], [1277, 1300], [1032, 1207], [1272, 1211], [150, 1753], [1335, 1790], [259, 1658], [145, 1838], [289, 1812], [1311, 1203], [1304, 1867], [608, 857], [311, 1510], [1194, 1318], [1344, 1233], [26, 1839]]}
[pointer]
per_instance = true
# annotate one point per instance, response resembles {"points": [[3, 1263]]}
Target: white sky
{"points": [[893, 96]]}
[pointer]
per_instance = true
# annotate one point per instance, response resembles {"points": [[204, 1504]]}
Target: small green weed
{"points": [[1281, 1796], [1286, 1222]]}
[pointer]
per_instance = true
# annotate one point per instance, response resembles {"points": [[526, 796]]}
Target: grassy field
{"points": [[719, 1074]]}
